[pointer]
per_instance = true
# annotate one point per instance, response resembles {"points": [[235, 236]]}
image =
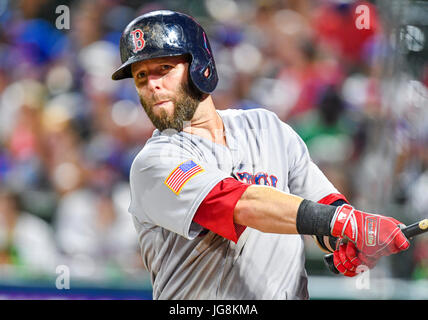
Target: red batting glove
{"points": [[373, 235], [347, 259], [370, 262]]}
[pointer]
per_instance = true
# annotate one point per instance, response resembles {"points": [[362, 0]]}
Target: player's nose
{"points": [[154, 82]]}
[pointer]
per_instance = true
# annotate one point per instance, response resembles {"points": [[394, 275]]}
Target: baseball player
{"points": [[221, 199]]}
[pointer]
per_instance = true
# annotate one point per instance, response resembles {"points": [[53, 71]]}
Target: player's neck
{"points": [[207, 123]]}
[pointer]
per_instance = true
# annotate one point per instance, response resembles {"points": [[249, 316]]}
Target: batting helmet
{"points": [[167, 33]]}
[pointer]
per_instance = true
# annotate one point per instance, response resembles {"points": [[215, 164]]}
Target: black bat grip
{"points": [[329, 262], [409, 231], [415, 229]]}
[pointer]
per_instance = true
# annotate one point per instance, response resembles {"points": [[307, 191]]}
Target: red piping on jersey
{"points": [[332, 197], [215, 213]]}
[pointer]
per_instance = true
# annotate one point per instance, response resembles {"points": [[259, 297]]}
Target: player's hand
{"points": [[347, 259], [373, 235]]}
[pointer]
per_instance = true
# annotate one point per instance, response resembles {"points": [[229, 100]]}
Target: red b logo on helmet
{"points": [[137, 37]]}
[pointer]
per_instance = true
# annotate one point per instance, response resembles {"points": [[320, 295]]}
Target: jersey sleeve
{"points": [[167, 186], [216, 211]]}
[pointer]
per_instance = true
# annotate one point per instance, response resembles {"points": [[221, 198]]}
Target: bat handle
{"points": [[415, 228], [328, 260]]}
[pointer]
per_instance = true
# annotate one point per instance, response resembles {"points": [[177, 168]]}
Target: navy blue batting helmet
{"points": [[165, 33]]}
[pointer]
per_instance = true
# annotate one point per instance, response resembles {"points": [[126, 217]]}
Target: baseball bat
{"points": [[409, 231]]}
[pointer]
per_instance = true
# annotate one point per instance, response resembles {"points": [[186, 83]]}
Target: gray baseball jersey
{"points": [[172, 175]]}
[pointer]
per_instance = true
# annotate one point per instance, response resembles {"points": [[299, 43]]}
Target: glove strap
{"points": [[340, 221]]}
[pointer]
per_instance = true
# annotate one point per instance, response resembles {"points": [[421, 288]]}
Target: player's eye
{"points": [[141, 74], [166, 67]]}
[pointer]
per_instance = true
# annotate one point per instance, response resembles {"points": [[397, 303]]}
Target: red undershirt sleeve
{"points": [[215, 213], [332, 197]]}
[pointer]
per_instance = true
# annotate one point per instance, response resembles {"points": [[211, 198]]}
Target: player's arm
{"points": [[273, 211], [232, 206], [270, 210]]}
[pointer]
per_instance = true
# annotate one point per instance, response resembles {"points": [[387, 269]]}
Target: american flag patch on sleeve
{"points": [[181, 174]]}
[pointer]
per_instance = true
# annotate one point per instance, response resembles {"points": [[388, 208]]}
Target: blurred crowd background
{"points": [[68, 133]]}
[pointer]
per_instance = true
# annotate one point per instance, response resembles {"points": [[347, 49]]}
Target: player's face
{"points": [[163, 87]]}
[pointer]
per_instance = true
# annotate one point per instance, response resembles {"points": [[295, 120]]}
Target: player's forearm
{"points": [[270, 210], [267, 209]]}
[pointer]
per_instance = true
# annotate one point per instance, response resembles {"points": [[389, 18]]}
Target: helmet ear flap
{"points": [[194, 90], [204, 75]]}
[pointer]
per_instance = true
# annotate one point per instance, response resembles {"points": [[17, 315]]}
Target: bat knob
{"points": [[423, 225], [329, 262]]}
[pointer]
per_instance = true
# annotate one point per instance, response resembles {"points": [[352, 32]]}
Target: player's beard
{"points": [[185, 103]]}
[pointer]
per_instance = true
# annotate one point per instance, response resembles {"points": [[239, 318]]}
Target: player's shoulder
{"points": [[158, 147], [253, 112], [254, 116], [260, 118]]}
